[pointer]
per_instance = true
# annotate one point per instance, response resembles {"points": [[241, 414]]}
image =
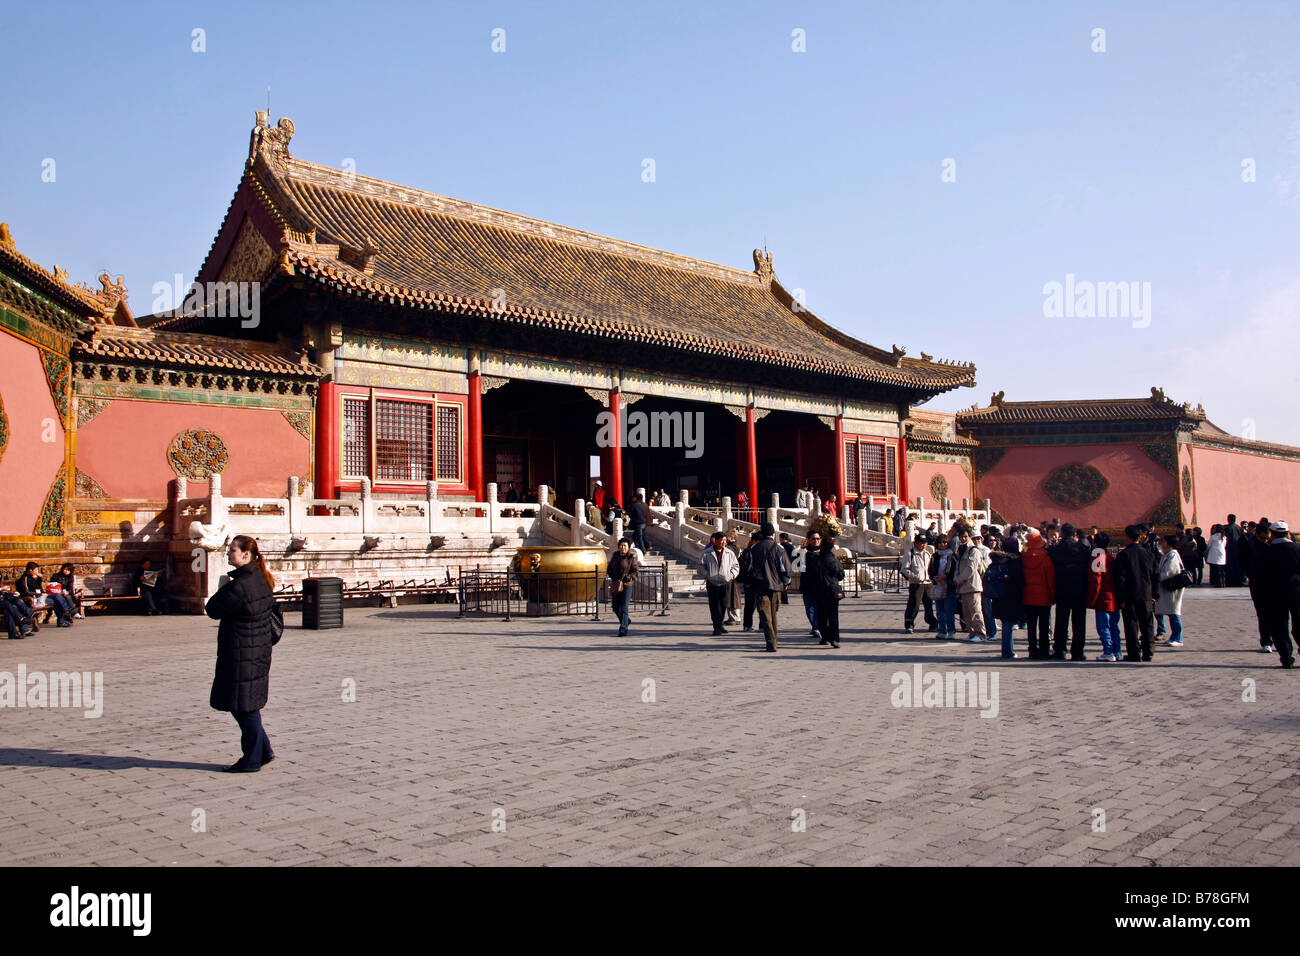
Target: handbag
{"points": [[277, 624], [1183, 579]]}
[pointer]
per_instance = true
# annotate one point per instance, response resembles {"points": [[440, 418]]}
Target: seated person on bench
{"points": [[18, 617], [151, 586], [67, 579], [31, 588]]}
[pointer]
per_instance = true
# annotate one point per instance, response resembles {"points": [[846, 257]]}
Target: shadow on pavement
{"points": [[31, 757]]}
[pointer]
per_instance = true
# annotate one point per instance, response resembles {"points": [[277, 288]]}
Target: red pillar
{"points": [[902, 473], [327, 441], [841, 485], [751, 458], [614, 480], [474, 467]]}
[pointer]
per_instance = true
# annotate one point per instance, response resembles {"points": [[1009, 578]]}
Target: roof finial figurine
{"points": [[998, 397], [763, 265], [898, 353], [1158, 394], [114, 291], [6, 237], [272, 140]]}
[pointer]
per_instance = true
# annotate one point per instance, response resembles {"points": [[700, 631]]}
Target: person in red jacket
{"points": [[1040, 592], [1101, 596]]}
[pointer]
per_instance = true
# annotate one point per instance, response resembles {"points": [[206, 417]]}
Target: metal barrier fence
{"points": [[509, 594], [886, 576]]}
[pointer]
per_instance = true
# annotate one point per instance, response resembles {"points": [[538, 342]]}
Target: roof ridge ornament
{"points": [[763, 265], [1158, 395], [896, 357], [7, 237], [112, 292], [271, 141], [998, 398]]}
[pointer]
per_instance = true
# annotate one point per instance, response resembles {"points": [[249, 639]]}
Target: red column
{"points": [[616, 451], [327, 441], [902, 472], [841, 485], [751, 458], [474, 467]]}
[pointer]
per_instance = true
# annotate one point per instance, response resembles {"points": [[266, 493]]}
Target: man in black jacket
{"points": [[639, 515], [1136, 582], [1233, 537], [1253, 556], [1070, 559], [771, 576], [1280, 567]]}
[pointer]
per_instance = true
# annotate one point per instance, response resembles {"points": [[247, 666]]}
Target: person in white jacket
{"points": [[720, 568], [1216, 555], [1170, 601], [914, 567]]}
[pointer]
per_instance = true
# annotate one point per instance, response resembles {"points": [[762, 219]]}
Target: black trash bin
{"points": [[322, 603]]}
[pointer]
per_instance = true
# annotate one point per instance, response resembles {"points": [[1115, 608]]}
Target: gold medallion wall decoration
{"points": [[1075, 486], [4, 428], [198, 454]]}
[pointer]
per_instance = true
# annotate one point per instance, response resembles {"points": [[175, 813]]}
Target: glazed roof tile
{"points": [[180, 349], [377, 240], [1001, 412]]}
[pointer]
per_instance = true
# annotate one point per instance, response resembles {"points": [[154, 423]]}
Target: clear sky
{"points": [[1117, 166]]}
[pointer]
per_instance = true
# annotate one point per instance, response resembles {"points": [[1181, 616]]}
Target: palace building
{"points": [[465, 345]]}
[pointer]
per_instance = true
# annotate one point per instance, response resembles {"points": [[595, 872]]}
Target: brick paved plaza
{"points": [[545, 720]]}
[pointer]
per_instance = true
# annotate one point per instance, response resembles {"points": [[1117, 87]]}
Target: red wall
{"points": [[124, 448], [1230, 482], [29, 465], [959, 486], [1137, 484]]}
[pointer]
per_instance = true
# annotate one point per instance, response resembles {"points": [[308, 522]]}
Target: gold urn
{"points": [[560, 574]]}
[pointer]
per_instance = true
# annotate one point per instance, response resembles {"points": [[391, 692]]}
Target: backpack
{"points": [[995, 582], [746, 564]]}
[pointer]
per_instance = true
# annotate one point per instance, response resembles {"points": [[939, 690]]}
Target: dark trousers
{"points": [[828, 616], [638, 537], [1137, 623], [13, 620], [1198, 572], [252, 738], [731, 597], [618, 602], [153, 601], [1040, 634], [916, 595], [1071, 613], [1263, 614], [1280, 609], [768, 604], [717, 604], [751, 603], [1216, 575]]}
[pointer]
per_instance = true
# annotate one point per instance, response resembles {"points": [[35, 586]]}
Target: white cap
{"points": [[1279, 526], [597, 481]]}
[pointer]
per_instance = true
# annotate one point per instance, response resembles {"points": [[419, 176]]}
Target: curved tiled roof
{"points": [[1083, 410], [179, 349], [369, 238]]}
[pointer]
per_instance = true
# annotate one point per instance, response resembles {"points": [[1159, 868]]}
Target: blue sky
{"points": [[1115, 166]]}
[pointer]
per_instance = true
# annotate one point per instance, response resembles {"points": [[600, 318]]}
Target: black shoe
{"points": [[718, 631], [268, 760], [835, 644], [1287, 665], [1146, 658], [1133, 658], [1077, 657], [240, 767], [769, 650], [822, 641], [1058, 656], [723, 630], [622, 633]]}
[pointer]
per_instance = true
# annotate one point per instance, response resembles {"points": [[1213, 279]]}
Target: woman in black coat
{"points": [[824, 576], [246, 609]]}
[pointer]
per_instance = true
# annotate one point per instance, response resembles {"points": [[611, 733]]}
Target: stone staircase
{"points": [[684, 577]]}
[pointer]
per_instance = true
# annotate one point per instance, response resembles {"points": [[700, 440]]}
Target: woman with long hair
{"points": [[245, 606]]}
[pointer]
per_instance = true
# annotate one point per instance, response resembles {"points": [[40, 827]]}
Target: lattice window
{"points": [[850, 469], [891, 470], [403, 440], [872, 467], [448, 442], [356, 437]]}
